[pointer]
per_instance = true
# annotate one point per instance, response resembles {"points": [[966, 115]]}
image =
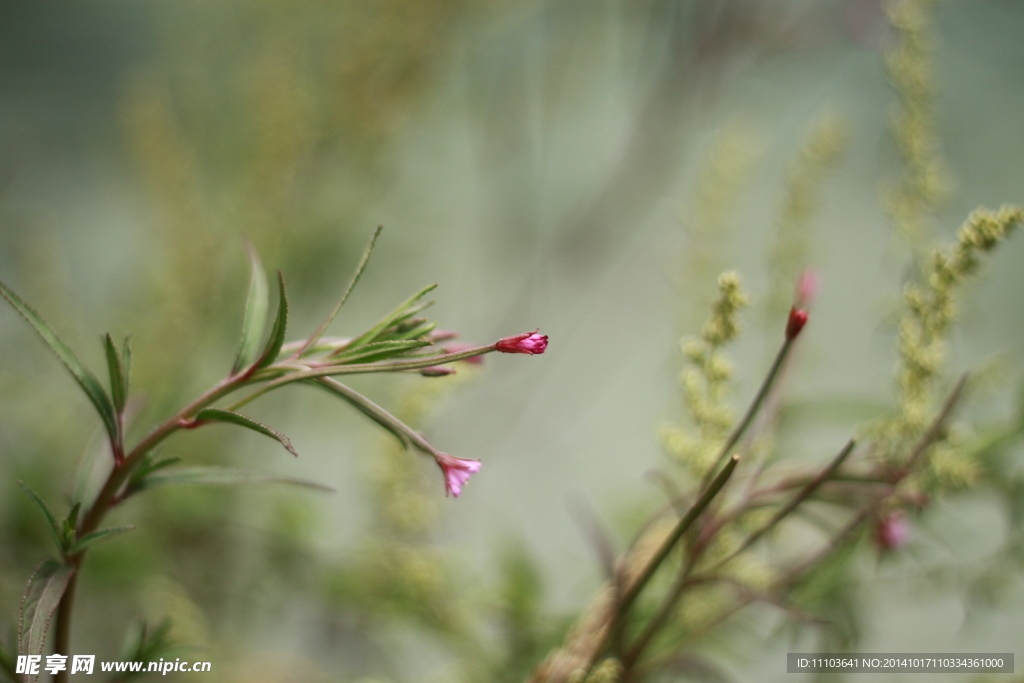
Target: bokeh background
{"points": [[543, 162]]}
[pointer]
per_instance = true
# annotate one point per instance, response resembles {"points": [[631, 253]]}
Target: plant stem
{"points": [[107, 498], [62, 637], [632, 592], [755, 406]]}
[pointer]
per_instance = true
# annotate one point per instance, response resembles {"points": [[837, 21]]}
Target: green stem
{"points": [[755, 406], [626, 600], [354, 369], [107, 498]]}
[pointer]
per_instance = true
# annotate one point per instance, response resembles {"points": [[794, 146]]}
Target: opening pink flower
{"points": [[807, 288], [456, 472], [892, 530], [531, 343]]}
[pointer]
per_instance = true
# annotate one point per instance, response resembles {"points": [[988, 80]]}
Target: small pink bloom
{"points": [[807, 288], [456, 472], [892, 530], [456, 348], [796, 322], [531, 343]]}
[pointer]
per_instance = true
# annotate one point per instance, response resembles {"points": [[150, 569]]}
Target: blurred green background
{"points": [[539, 161]]}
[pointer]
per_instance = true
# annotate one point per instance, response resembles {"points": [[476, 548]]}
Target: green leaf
{"points": [[42, 596], [381, 350], [118, 383], [90, 539], [142, 646], [389, 320], [7, 665], [86, 380], [219, 415], [126, 361], [256, 305], [51, 521], [278, 332], [344, 297], [420, 330], [223, 476]]}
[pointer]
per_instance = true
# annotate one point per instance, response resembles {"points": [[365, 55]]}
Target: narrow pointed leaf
{"points": [[90, 539], [219, 415], [7, 665], [118, 385], [86, 380], [344, 297], [42, 596], [380, 351], [151, 467], [126, 364], [389, 320], [413, 311], [51, 521], [256, 305], [420, 330], [223, 476], [278, 332]]}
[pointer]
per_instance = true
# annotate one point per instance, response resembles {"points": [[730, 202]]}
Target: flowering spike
{"points": [[456, 472], [892, 531], [796, 322], [531, 343]]}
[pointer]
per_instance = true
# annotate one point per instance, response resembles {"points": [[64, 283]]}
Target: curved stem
{"points": [[108, 498]]}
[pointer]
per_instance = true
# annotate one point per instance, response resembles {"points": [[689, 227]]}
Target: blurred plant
{"points": [[397, 343], [695, 562]]}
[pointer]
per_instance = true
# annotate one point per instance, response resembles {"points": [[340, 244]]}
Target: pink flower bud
{"points": [[796, 322], [437, 371], [892, 530], [807, 288], [456, 472], [531, 343]]}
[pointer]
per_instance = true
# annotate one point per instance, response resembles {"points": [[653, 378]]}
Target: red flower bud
{"points": [[796, 322], [531, 343]]}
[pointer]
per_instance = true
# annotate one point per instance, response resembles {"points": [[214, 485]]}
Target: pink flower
{"points": [[531, 343], [892, 530], [456, 472], [806, 288], [796, 322]]}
